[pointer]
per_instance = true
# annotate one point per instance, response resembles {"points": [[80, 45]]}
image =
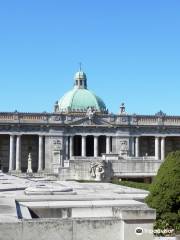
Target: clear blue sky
{"points": [[130, 50]]}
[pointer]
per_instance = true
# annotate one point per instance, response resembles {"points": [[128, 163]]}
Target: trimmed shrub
{"points": [[165, 193]]}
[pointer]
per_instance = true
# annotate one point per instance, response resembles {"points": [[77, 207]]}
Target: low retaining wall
{"points": [[46, 229], [80, 169]]}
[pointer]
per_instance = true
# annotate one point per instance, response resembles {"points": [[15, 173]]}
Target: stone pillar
{"points": [[132, 146], [156, 148], [83, 146], [18, 153], [137, 147], [66, 147], [11, 153], [107, 144], [71, 147], [162, 148], [40, 158], [95, 146]]}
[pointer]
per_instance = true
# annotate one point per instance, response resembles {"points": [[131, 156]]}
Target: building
{"points": [[81, 140]]}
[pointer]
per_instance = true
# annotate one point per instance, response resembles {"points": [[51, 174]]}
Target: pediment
{"points": [[86, 121]]}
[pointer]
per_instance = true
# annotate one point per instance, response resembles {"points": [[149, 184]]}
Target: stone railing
{"points": [[148, 120], [5, 117], [116, 120]]}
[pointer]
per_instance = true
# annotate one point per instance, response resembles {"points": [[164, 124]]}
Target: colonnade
{"points": [[15, 153], [84, 145], [159, 147], [15, 149]]}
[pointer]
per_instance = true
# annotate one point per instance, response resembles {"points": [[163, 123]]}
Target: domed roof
{"points": [[79, 99]]}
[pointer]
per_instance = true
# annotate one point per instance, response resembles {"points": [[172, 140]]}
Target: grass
{"points": [[139, 185]]}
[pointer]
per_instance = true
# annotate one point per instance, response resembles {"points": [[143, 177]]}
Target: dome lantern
{"points": [[80, 79]]}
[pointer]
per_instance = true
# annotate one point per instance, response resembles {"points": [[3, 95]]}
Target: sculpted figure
{"points": [[97, 170], [29, 169], [123, 148], [90, 113]]}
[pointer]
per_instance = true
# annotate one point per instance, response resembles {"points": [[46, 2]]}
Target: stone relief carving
{"points": [[57, 145], [97, 170], [68, 118], [57, 118], [124, 119], [57, 154], [134, 119], [124, 148]]}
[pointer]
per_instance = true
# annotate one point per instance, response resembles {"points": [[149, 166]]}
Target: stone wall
{"points": [[76, 229], [80, 169]]}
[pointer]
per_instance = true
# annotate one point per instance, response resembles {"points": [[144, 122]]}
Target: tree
{"points": [[165, 193]]}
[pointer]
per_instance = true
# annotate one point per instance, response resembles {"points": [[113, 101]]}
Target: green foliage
{"points": [[165, 193], [132, 184]]}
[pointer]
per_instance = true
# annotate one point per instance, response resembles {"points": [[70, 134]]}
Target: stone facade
{"points": [[57, 141]]}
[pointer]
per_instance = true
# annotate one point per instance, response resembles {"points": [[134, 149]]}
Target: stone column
{"points": [[40, 157], [66, 147], [132, 139], [95, 146], [71, 147], [107, 144], [156, 148], [162, 148], [18, 153], [137, 147], [131, 146], [11, 153], [83, 146]]}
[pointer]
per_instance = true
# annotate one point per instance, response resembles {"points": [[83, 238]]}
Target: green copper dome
{"points": [[79, 99]]}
